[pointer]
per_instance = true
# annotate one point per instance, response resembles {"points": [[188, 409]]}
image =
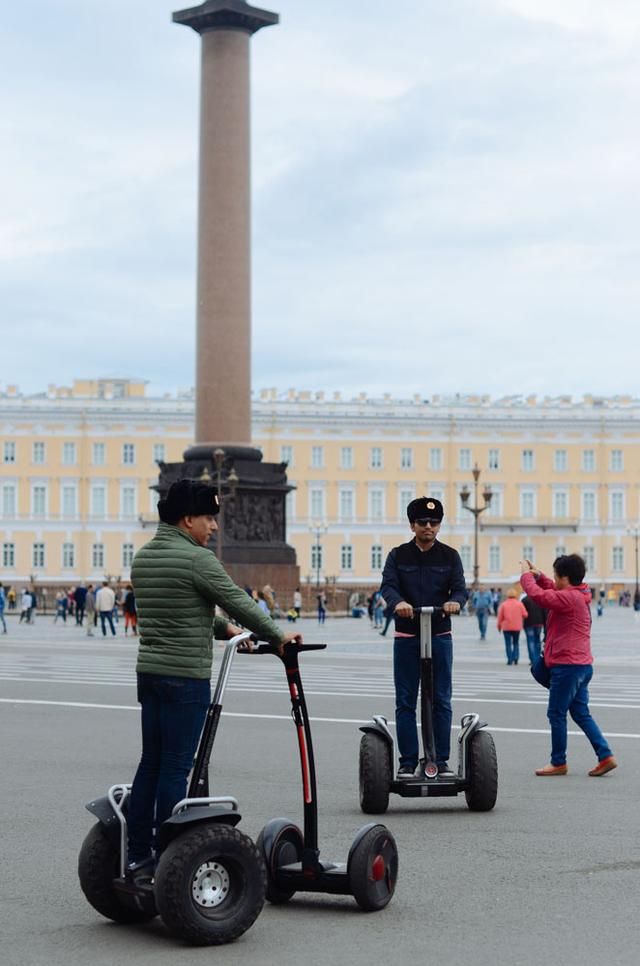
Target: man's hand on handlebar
{"points": [[451, 607], [402, 609], [288, 639], [232, 631]]}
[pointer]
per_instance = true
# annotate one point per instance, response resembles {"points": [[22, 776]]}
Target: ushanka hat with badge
{"points": [[425, 506], [188, 498]]}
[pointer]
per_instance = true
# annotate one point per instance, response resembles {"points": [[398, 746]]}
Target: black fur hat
{"points": [[425, 506], [188, 498]]}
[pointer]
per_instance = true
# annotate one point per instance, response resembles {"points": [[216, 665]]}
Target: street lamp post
{"points": [[225, 488], [635, 533], [318, 529], [465, 493]]}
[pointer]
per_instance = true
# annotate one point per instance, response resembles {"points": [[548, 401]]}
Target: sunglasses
{"points": [[427, 522]]}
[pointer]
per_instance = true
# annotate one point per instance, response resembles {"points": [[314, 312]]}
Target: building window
{"points": [[97, 556], [588, 505], [617, 505], [39, 501], [495, 506], [286, 455], [98, 458], [37, 555], [527, 504], [128, 501], [560, 503], [405, 496], [346, 557], [560, 461], [158, 452], [617, 559], [68, 454], [68, 555], [290, 505], [495, 558], [98, 501], [317, 457], [8, 554], [376, 504], [561, 550], [494, 459], [528, 459], [465, 556], [39, 453], [346, 457], [435, 458], [128, 454], [616, 462], [316, 504], [589, 555], [316, 556], [69, 501], [8, 500], [588, 460], [375, 458], [346, 505], [376, 556], [9, 454], [528, 552], [406, 458], [464, 459], [127, 554]]}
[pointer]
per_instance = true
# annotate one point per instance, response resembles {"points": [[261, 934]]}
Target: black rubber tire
{"points": [[98, 866], [286, 849], [375, 773], [175, 875], [370, 891], [483, 773]]}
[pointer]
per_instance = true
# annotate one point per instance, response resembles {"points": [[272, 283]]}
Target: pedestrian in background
{"points": [[90, 607], [496, 599], [11, 599], [105, 602], [297, 601], [80, 597], [2, 603], [511, 615], [481, 603], [567, 658], [322, 607], [533, 627], [378, 612], [129, 611], [62, 602], [25, 607], [262, 603]]}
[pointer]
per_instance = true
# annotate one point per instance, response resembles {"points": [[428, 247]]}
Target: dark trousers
{"points": [[173, 713], [106, 615], [406, 676], [79, 613], [569, 691], [512, 646]]}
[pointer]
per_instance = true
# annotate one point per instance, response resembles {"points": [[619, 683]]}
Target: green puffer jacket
{"points": [[177, 584]]}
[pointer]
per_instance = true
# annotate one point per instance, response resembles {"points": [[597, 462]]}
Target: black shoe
{"points": [[405, 772], [141, 872], [444, 771]]}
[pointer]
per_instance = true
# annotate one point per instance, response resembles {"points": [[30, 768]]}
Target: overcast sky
{"points": [[446, 195]]}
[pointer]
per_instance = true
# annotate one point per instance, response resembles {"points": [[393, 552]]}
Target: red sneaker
{"points": [[607, 764], [552, 770]]}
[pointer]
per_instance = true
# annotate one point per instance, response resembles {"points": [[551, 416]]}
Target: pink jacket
{"points": [[568, 639], [511, 615]]}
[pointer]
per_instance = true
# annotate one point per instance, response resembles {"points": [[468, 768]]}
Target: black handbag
{"points": [[541, 672]]}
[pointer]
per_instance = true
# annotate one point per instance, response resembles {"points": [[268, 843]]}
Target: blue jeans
{"points": [[173, 713], [512, 646], [105, 615], [483, 620], [569, 692], [533, 642], [406, 676]]}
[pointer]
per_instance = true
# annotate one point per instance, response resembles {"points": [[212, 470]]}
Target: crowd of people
{"points": [[84, 606]]}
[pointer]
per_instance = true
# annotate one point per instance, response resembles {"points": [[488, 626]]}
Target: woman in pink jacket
{"points": [[511, 615], [567, 655]]}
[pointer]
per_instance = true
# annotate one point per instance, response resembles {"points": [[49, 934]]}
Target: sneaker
{"points": [[142, 871], [444, 771], [607, 764], [552, 770], [405, 772]]}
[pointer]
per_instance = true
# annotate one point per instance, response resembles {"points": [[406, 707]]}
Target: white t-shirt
{"points": [[105, 599]]}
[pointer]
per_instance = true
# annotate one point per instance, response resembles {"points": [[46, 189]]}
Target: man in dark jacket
{"points": [[178, 582], [423, 573], [533, 627]]}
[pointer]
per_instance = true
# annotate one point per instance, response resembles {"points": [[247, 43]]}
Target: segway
{"points": [[292, 856], [477, 774], [210, 881]]}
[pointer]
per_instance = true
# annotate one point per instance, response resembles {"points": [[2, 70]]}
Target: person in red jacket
{"points": [[567, 655], [511, 615]]}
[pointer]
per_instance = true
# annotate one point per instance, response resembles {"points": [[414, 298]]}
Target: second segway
{"points": [[477, 774]]}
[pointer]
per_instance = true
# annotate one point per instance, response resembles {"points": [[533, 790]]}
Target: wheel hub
{"points": [[210, 885]]}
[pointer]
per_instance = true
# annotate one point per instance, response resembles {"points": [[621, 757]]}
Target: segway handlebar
{"points": [[271, 649]]}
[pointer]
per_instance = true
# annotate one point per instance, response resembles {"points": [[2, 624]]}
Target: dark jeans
{"points": [[483, 620], [569, 692], [533, 642], [79, 614], [512, 646], [321, 615], [406, 675], [105, 615], [173, 713]]}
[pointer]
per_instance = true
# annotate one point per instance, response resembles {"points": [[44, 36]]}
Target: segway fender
{"points": [[360, 834], [271, 832], [104, 812], [178, 823], [378, 726]]}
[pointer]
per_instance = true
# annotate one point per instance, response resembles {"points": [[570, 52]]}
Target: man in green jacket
{"points": [[178, 582]]}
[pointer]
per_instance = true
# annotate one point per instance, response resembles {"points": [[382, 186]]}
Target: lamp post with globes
{"points": [[225, 487], [317, 529], [465, 493]]}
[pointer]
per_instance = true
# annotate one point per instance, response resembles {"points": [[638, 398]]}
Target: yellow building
{"points": [[77, 465]]}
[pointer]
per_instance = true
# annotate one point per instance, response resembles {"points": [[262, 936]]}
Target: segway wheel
{"points": [[281, 843], [98, 866], [483, 773], [375, 773], [210, 885], [373, 869]]}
